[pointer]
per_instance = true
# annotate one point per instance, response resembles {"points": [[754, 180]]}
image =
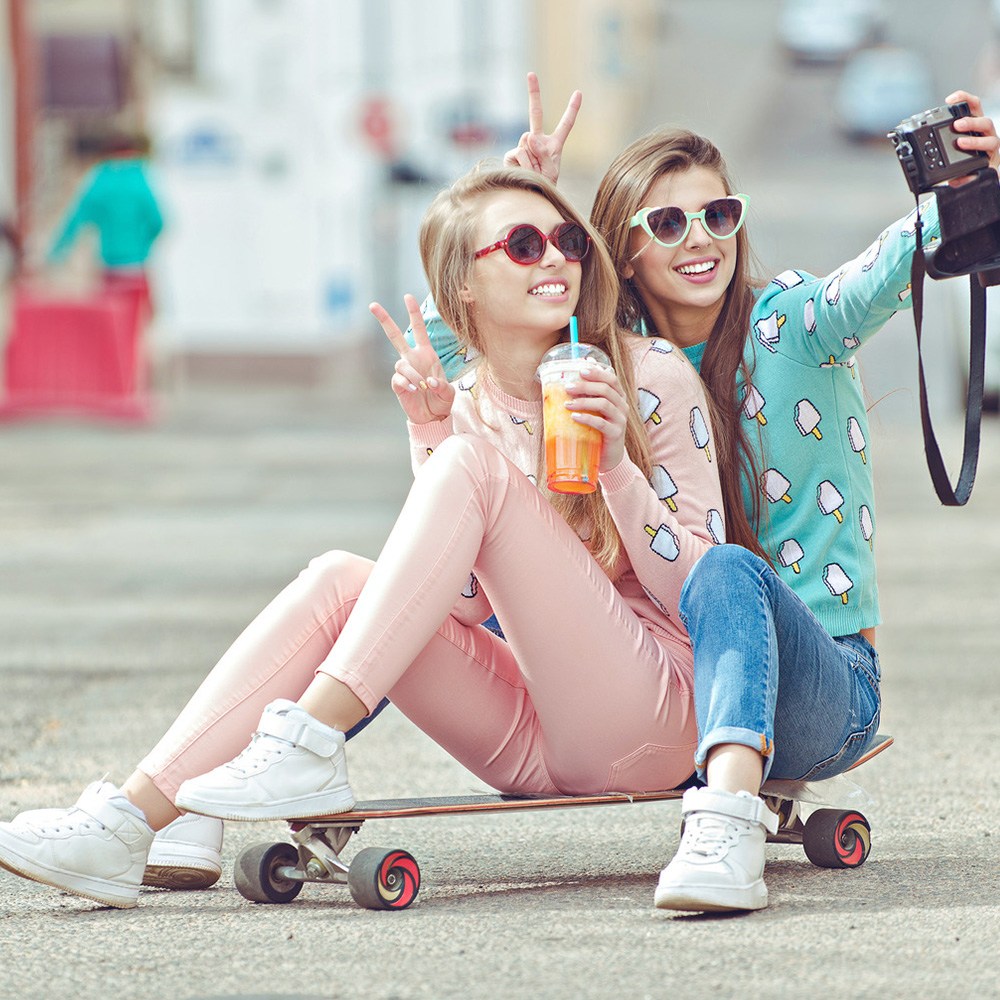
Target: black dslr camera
{"points": [[969, 213]]}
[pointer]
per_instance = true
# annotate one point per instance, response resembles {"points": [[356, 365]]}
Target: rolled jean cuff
{"points": [[761, 742]]}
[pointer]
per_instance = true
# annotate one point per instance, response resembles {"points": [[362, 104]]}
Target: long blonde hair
{"points": [[447, 245], [622, 192]]}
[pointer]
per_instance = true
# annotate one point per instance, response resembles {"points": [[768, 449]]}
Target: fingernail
{"points": [[423, 384], [411, 387], [432, 382]]}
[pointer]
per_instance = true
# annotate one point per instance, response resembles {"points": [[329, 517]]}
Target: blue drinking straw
{"points": [[574, 337]]}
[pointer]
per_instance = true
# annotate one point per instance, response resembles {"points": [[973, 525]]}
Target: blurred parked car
{"points": [[829, 30], [881, 86]]}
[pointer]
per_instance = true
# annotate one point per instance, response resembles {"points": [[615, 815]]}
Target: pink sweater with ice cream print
{"points": [[666, 521]]}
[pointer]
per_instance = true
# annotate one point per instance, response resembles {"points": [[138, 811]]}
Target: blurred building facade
{"points": [[12, 174], [297, 142], [7, 161]]}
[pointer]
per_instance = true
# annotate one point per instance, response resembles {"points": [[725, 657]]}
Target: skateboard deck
{"points": [[389, 879], [438, 805]]}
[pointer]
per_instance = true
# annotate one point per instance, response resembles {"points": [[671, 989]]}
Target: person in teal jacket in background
{"points": [[116, 199]]}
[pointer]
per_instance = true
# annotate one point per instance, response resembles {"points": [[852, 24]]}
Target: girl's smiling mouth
{"points": [[549, 289], [698, 271]]}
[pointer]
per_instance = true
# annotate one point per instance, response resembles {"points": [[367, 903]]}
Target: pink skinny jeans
{"points": [[582, 697]]}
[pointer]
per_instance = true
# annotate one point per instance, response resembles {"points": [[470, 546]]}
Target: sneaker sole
{"points": [[88, 888], [712, 899], [179, 876], [299, 808], [177, 865]]}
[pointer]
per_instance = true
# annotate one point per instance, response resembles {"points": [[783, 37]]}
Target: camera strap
{"points": [[959, 495]]}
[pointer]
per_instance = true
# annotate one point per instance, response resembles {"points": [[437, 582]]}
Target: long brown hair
{"points": [[622, 192], [447, 245]]}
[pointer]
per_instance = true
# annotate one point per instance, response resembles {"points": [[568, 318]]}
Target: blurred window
{"points": [[82, 74]]}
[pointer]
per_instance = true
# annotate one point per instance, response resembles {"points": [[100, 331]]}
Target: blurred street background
{"points": [[296, 143], [294, 146]]}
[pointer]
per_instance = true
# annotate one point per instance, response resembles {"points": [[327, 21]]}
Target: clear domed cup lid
{"points": [[579, 352]]}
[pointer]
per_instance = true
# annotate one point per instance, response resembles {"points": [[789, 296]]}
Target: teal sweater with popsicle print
{"points": [[805, 412]]}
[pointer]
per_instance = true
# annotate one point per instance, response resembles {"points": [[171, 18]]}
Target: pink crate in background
{"points": [[79, 356]]}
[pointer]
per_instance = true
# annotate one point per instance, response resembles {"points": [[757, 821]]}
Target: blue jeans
{"points": [[767, 675]]}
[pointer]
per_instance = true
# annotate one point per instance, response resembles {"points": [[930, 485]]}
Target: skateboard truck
{"points": [[321, 851]]}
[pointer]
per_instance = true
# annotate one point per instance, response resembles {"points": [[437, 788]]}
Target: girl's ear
{"points": [[628, 271], [466, 294]]}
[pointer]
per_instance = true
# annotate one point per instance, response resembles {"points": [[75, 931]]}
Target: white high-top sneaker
{"points": [[96, 849], [294, 767], [186, 854], [719, 864]]}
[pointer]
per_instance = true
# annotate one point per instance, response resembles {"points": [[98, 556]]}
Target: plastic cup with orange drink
{"points": [[572, 449]]}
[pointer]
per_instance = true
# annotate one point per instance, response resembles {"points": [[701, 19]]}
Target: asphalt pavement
{"points": [[131, 557]]}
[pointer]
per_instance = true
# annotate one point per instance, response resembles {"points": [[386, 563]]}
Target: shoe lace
{"points": [[262, 749], [71, 820], [708, 835]]}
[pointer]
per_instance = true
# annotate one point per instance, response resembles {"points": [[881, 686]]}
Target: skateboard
{"points": [[389, 879]]}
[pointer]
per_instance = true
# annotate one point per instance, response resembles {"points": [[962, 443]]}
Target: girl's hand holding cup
{"points": [[418, 380], [584, 416], [596, 399]]}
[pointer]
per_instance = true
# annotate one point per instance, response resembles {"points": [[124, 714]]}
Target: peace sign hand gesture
{"points": [[418, 381], [537, 151]]}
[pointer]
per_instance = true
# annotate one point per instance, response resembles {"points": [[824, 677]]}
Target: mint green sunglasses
{"points": [[722, 218]]}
